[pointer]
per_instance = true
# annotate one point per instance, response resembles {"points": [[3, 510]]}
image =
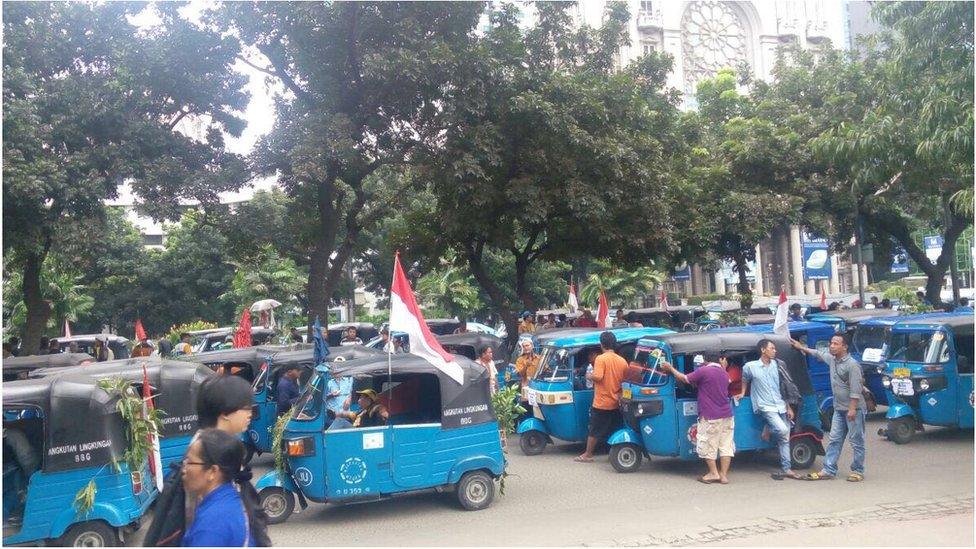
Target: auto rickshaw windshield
{"points": [[554, 365], [650, 359], [922, 347], [309, 404], [869, 337]]}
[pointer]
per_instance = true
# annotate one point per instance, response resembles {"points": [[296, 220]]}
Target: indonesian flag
{"points": [[823, 298], [67, 328], [242, 336], [573, 302], [140, 331], [156, 463], [603, 311], [781, 323], [405, 316], [663, 300]]}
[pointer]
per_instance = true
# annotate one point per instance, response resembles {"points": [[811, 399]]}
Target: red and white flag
{"points": [[140, 331], [573, 302], [67, 328], [242, 336], [603, 311], [663, 300], [156, 463], [781, 323], [823, 298], [405, 316]]}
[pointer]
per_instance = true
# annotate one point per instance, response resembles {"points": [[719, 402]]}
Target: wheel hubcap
{"points": [[274, 505], [800, 454], [90, 539], [627, 457], [476, 492]]}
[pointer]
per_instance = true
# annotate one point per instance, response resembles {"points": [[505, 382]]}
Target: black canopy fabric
{"points": [[83, 427], [700, 342], [477, 341], [303, 357], [253, 356], [443, 326], [854, 316], [175, 384], [462, 405], [364, 331], [15, 365]]}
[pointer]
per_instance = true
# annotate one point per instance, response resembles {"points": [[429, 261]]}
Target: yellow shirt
{"points": [[526, 366], [526, 328]]}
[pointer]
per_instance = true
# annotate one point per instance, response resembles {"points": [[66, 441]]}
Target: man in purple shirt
{"points": [[715, 423]]}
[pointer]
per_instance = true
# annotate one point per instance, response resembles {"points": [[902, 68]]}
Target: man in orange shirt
{"points": [[608, 373]]}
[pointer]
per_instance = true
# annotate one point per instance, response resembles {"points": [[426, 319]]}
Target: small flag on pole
{"points": [[242, 336], [140, 331], [156, 463], [781, 323], [602, 311], [573, 301], [321, 349], [823, 298], [67, 328]]}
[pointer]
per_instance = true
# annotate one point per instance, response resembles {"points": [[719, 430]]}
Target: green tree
{"points": [[89, 102], [552, 153], [266, 275], [365, 86], [449, 289], [625, 287]]}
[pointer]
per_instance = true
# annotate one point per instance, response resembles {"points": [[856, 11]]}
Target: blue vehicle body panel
{"points": [[624, 436], [532, 424], [50, 508], [898, 410], [273, 478], [172, 449], [570, 420]]}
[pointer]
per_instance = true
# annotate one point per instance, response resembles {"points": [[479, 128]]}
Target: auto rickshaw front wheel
{"points": [[278, 504], [802, 453], [476, 490], [901, 430], [625, 458], [532, 443], [94, 533]]}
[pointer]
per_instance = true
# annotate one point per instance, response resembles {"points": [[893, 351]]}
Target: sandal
{"points": [[818, 476], [581, 459], [704, 480], [855, 477]]}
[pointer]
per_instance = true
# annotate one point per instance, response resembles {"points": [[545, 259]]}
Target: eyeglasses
{"points": [[186, 461]]}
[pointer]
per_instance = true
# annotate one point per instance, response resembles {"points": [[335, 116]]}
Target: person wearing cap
{"points": [[372, 413], [287, 392], [716, 425], [527, 326]]}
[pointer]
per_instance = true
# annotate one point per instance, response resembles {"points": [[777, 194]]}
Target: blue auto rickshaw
{"points": [[264, 413], [174, 386], [847, 320], [929, 375], [71, 430], [441, 434], [815, 335], [21, 367], [661, 414], [869, 345], [559, 395]]}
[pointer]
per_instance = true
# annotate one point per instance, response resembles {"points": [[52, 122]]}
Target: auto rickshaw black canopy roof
{"points": [[57, 360], [462, 404], [854, 316], [83, 427], [699, 342], [478, 341], [305, 356], [953, 322], [249, 355], [174, 383]]}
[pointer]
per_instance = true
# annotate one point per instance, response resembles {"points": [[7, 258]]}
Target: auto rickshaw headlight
{"points": [[886, 382], [923, 385], [301, 447]]}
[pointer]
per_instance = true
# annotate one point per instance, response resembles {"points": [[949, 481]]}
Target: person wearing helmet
{"points": [[372, 413]]}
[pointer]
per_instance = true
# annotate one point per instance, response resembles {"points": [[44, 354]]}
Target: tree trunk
{"points": [[474, 254], [521, 271], [319, 294], [38, 310], [743, 284]]}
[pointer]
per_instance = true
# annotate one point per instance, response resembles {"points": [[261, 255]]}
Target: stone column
{"points": [[834, 275], [781, 245], [719, 281], [758, 288], [796, 261], [854, 277]]}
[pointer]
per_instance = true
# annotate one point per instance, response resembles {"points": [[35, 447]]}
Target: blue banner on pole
{"points": [[899, 261], [933, 247], [682, 274], [816, 258]]}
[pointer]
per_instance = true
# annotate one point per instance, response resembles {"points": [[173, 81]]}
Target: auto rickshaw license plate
{"points": [[902, 372], [902, 387]]}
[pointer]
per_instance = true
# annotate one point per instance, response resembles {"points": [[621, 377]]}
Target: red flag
{"points": [[663, 301], [140, 331], [573, 302], [405, 316], [781, 323], [823, 297], [67, 328], [603, 311], [242, 336], [155, 464]]}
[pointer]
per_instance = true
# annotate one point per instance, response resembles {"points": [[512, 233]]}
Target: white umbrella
{"points": [[264, 305]]}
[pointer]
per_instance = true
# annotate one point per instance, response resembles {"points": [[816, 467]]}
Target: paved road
{"points": [[551, 500]]}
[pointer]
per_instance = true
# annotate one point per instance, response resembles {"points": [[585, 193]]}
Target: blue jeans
{"points": [[840, 428], [779, 426]]}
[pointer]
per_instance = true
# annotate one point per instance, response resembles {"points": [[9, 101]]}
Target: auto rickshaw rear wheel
{"points": [[625, 458], [532, 443], [476, 490], [901, 430], [94, 533], [802, 453], [278, 504]]}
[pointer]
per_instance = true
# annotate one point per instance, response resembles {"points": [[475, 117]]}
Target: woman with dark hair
{"points": [[226, 516], [223, 403]]}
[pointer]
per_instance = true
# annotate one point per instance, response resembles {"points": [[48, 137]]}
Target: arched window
{"points": [[713, 36]]}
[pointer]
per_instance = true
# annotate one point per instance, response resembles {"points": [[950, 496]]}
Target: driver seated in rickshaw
{"points": [[371, 413], [21, 456]]}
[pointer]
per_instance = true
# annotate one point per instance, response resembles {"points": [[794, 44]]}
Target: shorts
{"points": [[604, 422], [715, 437]]}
